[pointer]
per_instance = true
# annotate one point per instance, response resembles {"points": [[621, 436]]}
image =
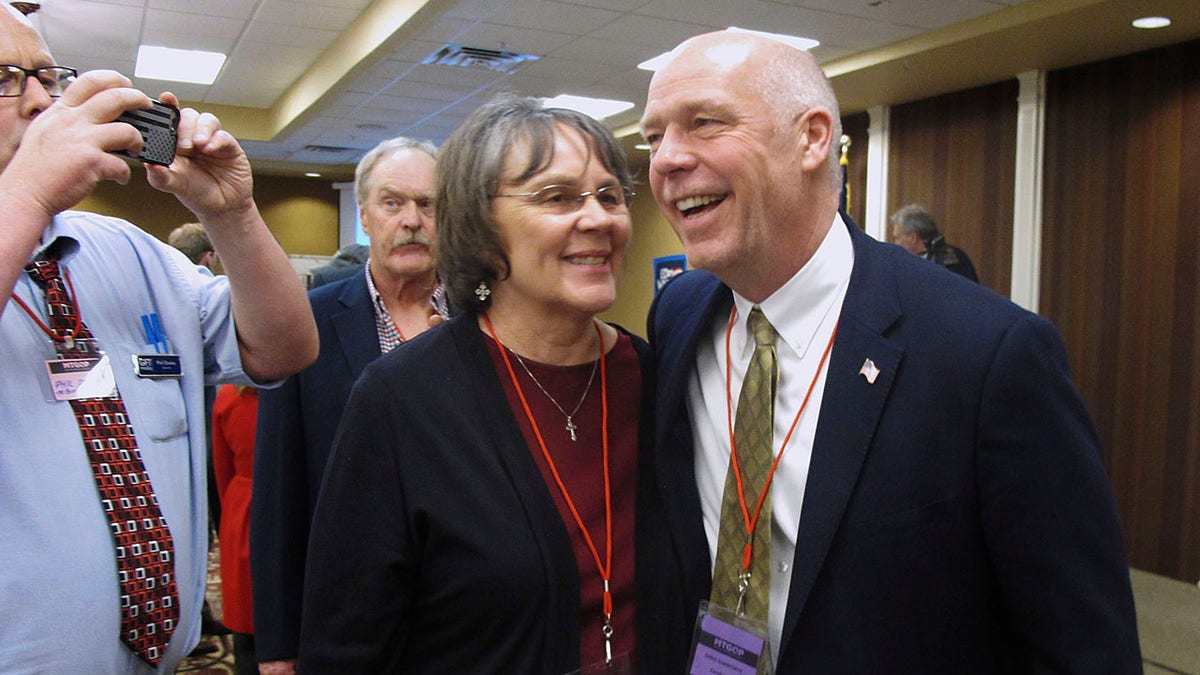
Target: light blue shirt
{"points": [[58, 580]]}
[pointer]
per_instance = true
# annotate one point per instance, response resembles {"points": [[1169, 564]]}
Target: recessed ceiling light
{"points": [[1151, 22], [597, 108], [655, 63], [310, 174], [178, 65], [801, 43]]}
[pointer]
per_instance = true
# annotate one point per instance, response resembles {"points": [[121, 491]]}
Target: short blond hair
{"points": [[192, 240]]}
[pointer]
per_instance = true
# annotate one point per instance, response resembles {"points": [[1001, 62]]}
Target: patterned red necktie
{"points": [[144, 548]]}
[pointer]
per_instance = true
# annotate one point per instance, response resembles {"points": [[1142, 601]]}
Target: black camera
{"points": [[158, 126]]}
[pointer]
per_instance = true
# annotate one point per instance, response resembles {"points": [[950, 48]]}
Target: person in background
{"points": [[195, 244], [389, 300], [235, 416], [933, 493], [348, 261], [914, 228], [109, 336], [478, 512]]}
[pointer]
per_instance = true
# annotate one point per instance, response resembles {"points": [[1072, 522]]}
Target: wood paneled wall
{"points": [[956, 155], [1119, 278]]}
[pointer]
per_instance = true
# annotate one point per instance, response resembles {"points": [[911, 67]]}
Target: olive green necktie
{"points": [[753, 434]]}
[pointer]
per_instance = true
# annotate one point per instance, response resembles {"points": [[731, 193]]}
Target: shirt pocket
{"points": [[156, 405]]}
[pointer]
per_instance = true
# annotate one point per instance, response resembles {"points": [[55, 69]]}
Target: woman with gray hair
{"points": [[478, 514]]}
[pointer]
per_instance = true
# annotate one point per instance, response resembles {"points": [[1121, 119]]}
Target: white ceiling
{"points": [[347, 73]]}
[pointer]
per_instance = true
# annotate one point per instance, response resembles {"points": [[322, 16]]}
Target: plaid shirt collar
{"points": [[389, 336]]}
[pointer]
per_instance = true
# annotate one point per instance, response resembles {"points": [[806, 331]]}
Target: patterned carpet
{"points": [[219, 662]]}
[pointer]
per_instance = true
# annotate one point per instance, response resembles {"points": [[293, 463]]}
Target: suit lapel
{"points": [[354, 325], [681, 330], [850, 412], [681, 322]]}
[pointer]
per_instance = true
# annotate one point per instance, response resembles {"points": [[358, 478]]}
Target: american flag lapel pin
{"points": [[869, 371]]}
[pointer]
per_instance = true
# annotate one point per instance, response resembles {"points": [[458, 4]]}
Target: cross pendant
{"points": [[571, 427]]}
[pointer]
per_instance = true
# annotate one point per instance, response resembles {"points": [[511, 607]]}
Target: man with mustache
{"points": [[359, 318]]}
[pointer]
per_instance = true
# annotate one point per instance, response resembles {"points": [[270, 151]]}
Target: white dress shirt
{"points": [[804, 312]]}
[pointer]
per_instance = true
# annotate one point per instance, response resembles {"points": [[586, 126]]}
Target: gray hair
{"points": [[470, 249], [915, 218], [366, 165]]}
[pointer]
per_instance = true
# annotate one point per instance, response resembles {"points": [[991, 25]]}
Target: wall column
{"points": [[875, 221], [1027, 190]]}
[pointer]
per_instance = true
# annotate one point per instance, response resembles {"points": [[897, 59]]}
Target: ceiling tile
{"points": [[307, 14], [270, 56], [647, 30], [559, 17], [280, 34], [159, 21], [511, 38], [237, 9], [600, 52], [92, 34], [916, 13]]}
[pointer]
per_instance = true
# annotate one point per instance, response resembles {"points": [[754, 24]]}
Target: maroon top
{"points": [[580, 465]]}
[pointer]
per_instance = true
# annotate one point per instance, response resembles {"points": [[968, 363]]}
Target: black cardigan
{"points": [[436, 546]]}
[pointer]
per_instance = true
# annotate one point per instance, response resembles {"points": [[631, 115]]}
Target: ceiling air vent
{"points": [[478, 57]]}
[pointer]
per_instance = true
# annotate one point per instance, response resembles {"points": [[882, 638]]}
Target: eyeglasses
{"points": [[53, 79], [562, 200]]}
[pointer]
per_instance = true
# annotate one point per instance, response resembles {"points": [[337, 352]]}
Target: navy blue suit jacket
{"points": [[296, 426], [957, 516]]}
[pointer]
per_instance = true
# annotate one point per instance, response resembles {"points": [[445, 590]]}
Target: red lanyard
{"points": [[605, 568], [752, 522], [68, 339]]}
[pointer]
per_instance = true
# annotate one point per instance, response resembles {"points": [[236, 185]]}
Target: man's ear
{"points": [[815, 141]]}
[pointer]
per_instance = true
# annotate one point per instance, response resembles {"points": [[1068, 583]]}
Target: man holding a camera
{"points": [[109, 337]]}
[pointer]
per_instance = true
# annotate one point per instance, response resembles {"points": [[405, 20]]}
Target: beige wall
{"points": [[302, 213]]}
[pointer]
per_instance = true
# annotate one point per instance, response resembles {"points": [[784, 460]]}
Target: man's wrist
{"points": [[243, 216], [23, 213]]}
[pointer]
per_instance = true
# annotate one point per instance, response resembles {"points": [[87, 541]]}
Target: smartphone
{"points": [[158, 126]]}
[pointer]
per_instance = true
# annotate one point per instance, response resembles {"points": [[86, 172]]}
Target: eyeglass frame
{"points": [[580, 197], [35, 73]]}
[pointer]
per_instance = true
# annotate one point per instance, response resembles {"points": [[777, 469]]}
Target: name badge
{"points": [[726, 644], [157, 365], [86, 377]]}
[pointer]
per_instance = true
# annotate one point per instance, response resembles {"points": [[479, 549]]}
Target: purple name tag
{"points": [[720, 647]]}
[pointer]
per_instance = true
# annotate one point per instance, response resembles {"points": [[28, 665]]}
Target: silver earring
{"points": [[482, 292]]}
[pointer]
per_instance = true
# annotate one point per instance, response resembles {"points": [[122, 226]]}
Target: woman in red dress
{"points": [[235, 414]]}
